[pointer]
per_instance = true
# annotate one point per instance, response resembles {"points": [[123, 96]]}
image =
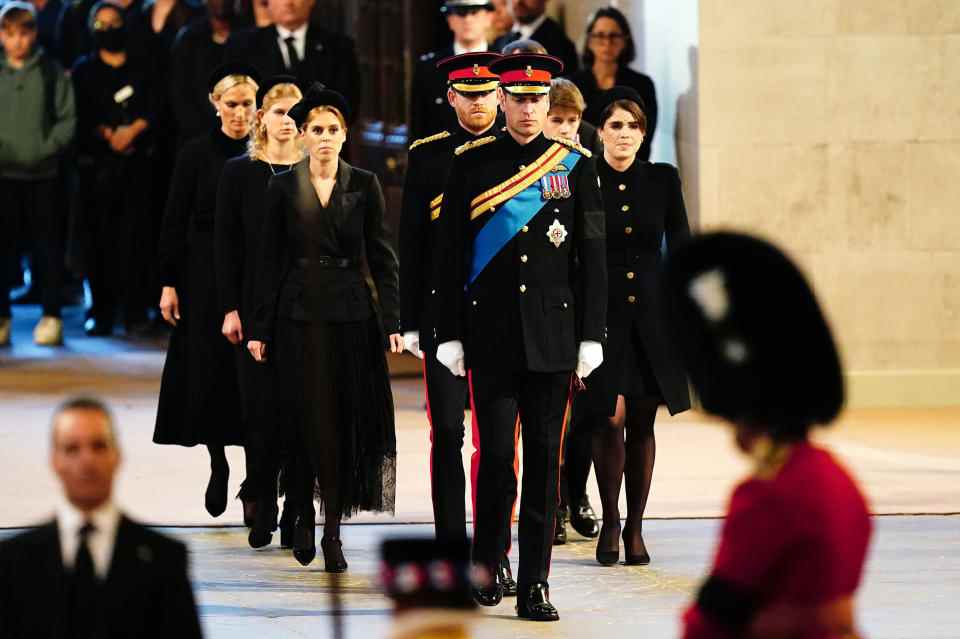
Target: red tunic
{"points": [[792, 546]]}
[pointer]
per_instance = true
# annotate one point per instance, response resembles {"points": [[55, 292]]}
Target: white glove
{"points": [[411, 341], [450, 354], [589, 358]]}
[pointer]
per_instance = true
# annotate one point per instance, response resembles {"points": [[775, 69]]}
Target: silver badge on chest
{"points": [[557, 233]]}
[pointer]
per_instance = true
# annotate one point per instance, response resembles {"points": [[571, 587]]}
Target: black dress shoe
{"points": [[489, 596], [560, 528], [505, 578], [215, 499], [286, 526], [583, 519], [333, 558], [634, 555], [536, 606], [608, 546], [98, 328], [304, 541]]}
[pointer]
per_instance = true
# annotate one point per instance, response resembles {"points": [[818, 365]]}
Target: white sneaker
{"points": [[48, 331], [4, 331]]}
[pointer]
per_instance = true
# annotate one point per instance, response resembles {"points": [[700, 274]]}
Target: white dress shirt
{"points": [[526, 30], [299, 42], [459, 49], [101, 541]]}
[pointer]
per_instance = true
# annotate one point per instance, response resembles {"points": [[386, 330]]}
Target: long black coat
{"points": [[329, 58], [644, 206], [535, 301], [146, 594], [193, 58], [428, 166], [429, 110], [199, 399], [642, 84]]}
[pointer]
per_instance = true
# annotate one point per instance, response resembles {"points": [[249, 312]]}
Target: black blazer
{"points": [[147, 592], [330, 58], [642, 84], [299, 240], [644, 211], [429, 110], [553, 38], [535, 301]]}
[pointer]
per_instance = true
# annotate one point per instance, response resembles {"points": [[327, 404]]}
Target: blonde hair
{"points": [[229, 82], [564, 94], [326, 108], [257, 147]]}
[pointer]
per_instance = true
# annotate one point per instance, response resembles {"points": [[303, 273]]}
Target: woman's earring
{"points": [[218, 113]]}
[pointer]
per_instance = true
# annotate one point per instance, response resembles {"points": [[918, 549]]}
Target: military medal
{"points": [[557, 233], [555, 185]]}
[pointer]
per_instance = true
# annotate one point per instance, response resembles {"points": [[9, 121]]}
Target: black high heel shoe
{"points": [[333, 558], [607, 556], [304, 542], [264, 523], [631, 558], [215, 498]]}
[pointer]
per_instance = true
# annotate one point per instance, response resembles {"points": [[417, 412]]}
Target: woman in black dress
{"points": [[644, 206], [199, 399], [241, 204], [606, 63], [317, 319]]}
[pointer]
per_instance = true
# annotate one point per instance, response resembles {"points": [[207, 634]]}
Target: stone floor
{"points": [[908, 462]]}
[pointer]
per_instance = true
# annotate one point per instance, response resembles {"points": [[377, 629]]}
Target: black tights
{"points": [[218, 457], [632, 458], [302, 493]]}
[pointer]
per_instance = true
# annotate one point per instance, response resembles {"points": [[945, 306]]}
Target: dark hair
{"points": [[18, 14], [105, 4], [629, 49], [631, 107], [524, 46], [84, 403]]}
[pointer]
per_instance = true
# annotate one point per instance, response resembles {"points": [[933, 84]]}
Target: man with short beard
{"points": [[471, 93]]}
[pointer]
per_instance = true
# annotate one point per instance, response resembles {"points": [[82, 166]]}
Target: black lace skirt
{"points": [[338, 409]]}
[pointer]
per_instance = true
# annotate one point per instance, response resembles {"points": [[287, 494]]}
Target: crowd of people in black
{"points": [[206, 168]]}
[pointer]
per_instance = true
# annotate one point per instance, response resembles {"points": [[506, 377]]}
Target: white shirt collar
{"points": [[299, 42], [526, 30], [459, 49], [105, 520], [299, 34]]}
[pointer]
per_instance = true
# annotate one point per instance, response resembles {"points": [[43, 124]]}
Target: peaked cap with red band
{"points": [[470, 72], [526, 73]]}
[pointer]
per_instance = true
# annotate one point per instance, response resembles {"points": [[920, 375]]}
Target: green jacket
{"points": [[37, 117]]}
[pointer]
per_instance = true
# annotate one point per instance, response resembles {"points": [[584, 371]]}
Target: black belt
{"points": [[327, 261]]}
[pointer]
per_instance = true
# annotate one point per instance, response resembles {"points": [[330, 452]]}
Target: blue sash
{"points": [[512, 216]]}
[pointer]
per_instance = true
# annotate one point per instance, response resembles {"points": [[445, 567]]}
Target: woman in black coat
{"points": [[644, 207], [199, 399], [316, 318], [606, 63], [241, 205]]}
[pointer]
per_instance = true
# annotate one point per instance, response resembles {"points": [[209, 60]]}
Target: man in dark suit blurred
{"points": [[294, 46], [91, 572], [530, 22], [469, 21]]}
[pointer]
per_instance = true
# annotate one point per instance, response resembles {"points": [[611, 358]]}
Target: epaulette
{"points": [[573, 145], [429, 138], [472, 144]]}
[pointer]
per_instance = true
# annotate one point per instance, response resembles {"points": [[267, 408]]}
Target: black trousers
{"points": [[446, 397], [120, 230], [577, 458], [31, 217], [540, 401]]}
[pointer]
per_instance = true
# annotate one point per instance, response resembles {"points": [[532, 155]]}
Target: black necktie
{"points": [[83, 601], [292, 58]]}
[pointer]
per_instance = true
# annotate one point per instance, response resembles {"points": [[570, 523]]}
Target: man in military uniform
{"points": [[472, 95], [522, 286], [469, 20]]}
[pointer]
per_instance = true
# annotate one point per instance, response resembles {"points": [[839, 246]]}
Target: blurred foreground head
{"points": [[752, 335], [84, 451], [429, 582]]}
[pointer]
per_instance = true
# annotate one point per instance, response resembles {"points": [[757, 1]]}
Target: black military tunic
{"points": [[521, 321], [429, 110], [429, 164], [644, 206]]}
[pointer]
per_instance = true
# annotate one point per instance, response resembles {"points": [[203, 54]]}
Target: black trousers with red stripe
{"points": [[540, 400], [446, 397]]}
